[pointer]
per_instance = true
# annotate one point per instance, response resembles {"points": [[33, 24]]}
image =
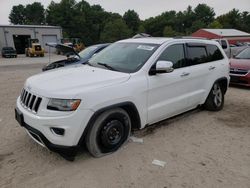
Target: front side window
{"points": [[124, 57], [196, 55], [175, 54]]}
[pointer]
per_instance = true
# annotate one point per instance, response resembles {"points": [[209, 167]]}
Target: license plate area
{"points": [[19, 117]]}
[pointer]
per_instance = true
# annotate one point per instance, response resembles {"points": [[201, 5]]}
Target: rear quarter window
{"points": [[214, 53]]}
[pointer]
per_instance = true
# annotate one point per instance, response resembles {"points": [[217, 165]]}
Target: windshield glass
{"points": [[87, 52], [124, 57], [244, 54]]}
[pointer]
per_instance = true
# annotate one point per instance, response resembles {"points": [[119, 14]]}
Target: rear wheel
{"points": [[215, 99], [109, 132]]}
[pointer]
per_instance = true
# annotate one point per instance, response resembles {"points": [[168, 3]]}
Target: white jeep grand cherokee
{"points": [[129, 85]]}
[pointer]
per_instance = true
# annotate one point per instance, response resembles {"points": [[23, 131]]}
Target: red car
{"points": [[240, 68]]}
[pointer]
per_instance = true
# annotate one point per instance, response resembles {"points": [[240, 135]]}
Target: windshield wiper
{"points": [[87, 63], [107, 66]]}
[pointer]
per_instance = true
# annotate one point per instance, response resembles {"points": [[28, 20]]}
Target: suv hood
{"points": [[240, 63], [71, 81], [63, 48]]}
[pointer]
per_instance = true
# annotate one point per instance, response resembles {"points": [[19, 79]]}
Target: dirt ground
{"points": [[200, 148]]}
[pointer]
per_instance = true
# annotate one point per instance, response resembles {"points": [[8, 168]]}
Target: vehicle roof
{"points": [[161, 40], [149, 40], [100, 45]]}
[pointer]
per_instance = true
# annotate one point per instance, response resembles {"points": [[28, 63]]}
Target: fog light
{"points": [[57, 131]]}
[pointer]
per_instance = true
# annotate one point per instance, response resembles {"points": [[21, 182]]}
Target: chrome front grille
{"points": [[238, 71], [30, 101]]}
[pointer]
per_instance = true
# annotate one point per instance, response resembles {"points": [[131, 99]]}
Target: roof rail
{"points": [[190, 37]]}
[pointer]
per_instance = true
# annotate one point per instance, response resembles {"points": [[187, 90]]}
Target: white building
{"points": [[17, 35]]}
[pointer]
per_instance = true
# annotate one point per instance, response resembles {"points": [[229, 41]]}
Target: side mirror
{"points": [[162, 67]]}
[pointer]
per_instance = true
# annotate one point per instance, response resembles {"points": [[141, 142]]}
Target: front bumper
{"points": [[37, 136], [243, 80], [73, 125]]}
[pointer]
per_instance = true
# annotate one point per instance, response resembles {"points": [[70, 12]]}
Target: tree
{"points": [[115, 30], [231, 19], [34, 14], [132, 20], [215, 25], [141, 29], [168, 32], [17, 15], [197, 25], [31, 14], [204, 13]]}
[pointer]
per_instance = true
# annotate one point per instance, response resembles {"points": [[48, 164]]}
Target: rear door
{"points": [[204, 61], [199, 72]]}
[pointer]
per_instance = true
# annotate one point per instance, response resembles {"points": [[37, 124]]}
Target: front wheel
{"points": [[109, 132], [215, 99]]}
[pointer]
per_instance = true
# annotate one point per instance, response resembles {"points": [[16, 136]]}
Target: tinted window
{"points": [[175, 54], [196, 54], [213, 53], [224, 44]]}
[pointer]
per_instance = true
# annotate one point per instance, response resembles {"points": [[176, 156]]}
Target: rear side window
{"points": [[175, 54], [214, 53], [223, 44], [196, 54]]}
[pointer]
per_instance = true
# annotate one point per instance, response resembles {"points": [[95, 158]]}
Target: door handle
{"points": [[185, 74], [211, 68]]}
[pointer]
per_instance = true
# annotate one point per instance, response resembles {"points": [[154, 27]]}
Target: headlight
{"points": [[63, 104]]}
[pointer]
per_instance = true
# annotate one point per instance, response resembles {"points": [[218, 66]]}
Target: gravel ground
{"points": [[200, 148]]}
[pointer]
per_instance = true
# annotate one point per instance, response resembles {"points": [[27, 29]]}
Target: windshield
{"points": [[124, 57], [244, 54], [84, 54]]}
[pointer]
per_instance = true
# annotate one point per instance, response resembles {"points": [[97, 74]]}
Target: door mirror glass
{"points": [[164, 67]]}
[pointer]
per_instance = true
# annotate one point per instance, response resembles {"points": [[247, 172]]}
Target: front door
{"points": [[168, 93]]}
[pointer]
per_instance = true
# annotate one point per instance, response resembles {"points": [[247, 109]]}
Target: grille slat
{"points": [[27, 101], [30, 101], [24, 97], [238, 71]]}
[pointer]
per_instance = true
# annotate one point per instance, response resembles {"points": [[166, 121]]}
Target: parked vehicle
{"points": [[34, 48], [225, 46], [76, 43], [129, 85], [79, 58], [8, 52], [240, 68]]}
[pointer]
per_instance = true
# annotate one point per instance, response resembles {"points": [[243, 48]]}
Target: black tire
{"points": [[215, 99], [109, 132]]}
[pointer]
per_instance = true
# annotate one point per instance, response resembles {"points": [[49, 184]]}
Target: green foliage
{"points": [[204, 14], [168, 32], [115, 30], [132, 20], [215, 25], [93, 24], [235, 19], [31, 14], [17, 15]]}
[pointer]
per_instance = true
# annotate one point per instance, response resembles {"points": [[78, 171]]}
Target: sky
{"points": [[145, 8]]}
